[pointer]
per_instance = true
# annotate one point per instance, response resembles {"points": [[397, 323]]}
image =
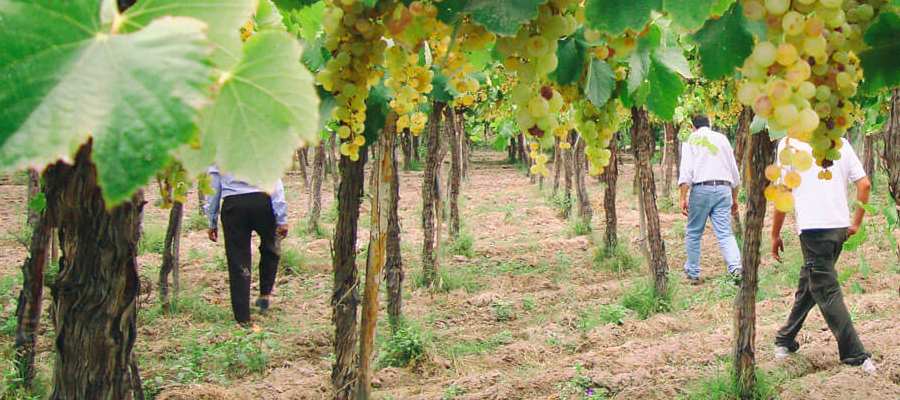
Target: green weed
{"points": [[617, 259], [528, 303], [196, 222], [8, 299], [479, 346], [449, 279], [11, 384], [604, 315], [503, 311], [462, 245], [642, 298], [666, 204], [293, 262], [581, 387], [579, 227], [452, 392], [206, 356], [153, 239], [562, 203], [722, 386], [406, 346]]}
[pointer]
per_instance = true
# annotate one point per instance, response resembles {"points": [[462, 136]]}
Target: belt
{"points": [[713, 183]]}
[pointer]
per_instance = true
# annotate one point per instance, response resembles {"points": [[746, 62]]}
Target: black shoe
{"points": [[263, 304], [737, 277], [693, 281]]}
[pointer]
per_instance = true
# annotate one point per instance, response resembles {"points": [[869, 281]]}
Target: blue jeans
{"points": [[710, 202]]}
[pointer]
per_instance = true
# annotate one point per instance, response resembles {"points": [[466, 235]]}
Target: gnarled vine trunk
{"points": [[762, 153], [585, 213], [345, 295], [642, 139], [303, 164], [34, 190], [315, 195], [97, 287], [393, 268], [668, 158], [455, 133], [868, 160], [568, 163], [557, 164], [891, 157], [384, 173], [610, 176], [28, 309], [430, 194], [171, 251]]}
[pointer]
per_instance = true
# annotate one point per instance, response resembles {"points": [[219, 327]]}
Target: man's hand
{"points": [[213, 234], [852, 230], [777, 247], [684, 206], [735, 209], [282, 231]]}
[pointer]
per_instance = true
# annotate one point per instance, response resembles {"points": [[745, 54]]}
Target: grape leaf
{"points": [[267, 16], [266, 108], [601, 81], [502, 17], [879, 62], [724, 44], [63, 81], [638, 67], [570, 54], [615, 16], [673, 58], [720, 7], [310, 20], [224, 18], [288, 5], [689, 14], [665, 87], [853, 242]]}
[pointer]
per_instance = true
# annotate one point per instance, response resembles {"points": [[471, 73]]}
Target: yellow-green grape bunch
{"points": [[410, 26], [354, 37], [613, 48], [174, 185], [539, 167], [785, 176], [531, 54], [450, 52], [410, 83], [597, 127], [802, 76]]}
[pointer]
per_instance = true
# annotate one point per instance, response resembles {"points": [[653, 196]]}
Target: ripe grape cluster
{"points": [[531, 54], [597, 127], [354, 36], [410, 84], [801, 76], [785, 176]]}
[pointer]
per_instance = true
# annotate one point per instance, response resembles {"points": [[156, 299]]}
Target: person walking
{"points": [[246, 209], [823, 221], [709, 172]]}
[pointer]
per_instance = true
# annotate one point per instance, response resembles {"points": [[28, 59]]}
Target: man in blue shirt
{"points": [[246, 209]]}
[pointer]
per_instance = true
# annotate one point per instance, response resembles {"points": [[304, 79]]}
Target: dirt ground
{"points": [[521, 323]]}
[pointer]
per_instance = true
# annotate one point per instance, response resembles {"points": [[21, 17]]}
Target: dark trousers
{"points": [[241, 216], [819, 286]]}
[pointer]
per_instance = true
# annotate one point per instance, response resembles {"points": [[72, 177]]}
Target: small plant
{"points": [[562, 203], [666, 204], [503, 311], [528, 303], [219, 263], [196, 222], [579, 227], [292, 261], [641, 298], [405, 347], [450, 279], [462, 245], [452, 392], [606, 314], [722, 386], [617, 259], [11, 384], [479, 346], [581, 387], [153, 240]]}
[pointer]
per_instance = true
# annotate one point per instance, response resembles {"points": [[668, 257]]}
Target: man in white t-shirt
{"points": [[709, 172], [823, 221]]}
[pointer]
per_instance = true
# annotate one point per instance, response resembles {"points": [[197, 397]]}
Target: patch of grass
{"points": [[666, 204], [678, 229], [617, 259], [528, 303], [8, 299], [293, 262], [503, 311], [190, 304], [579, 227], [581, 387], [449, 279], [196, 222], [330, 214], [452, 392], [462, 245], [414, 165], [194, 254], [219, 263], [722, 386], [153, 239], [561, 203], [516, 267], [405, 347], [604, 315], [11, 385], [642, 298], [21, 234], [479, 346]]}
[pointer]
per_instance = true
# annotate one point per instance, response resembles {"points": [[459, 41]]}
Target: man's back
{"points": [[707, 156]]}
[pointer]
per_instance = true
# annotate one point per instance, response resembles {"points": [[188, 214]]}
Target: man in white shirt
{"points": [[709, 172], [246, 209], [823, 221]]}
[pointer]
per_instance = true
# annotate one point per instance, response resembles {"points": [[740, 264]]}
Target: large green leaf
{"points": [[601, 81], [689, 14], [310, 20], [664, 88], [503, 17], [265, 109], [880, 62], [673, 58], [268, 17], [724, 44], [570, 54], [63, 80], [638, 67], [224, 17], [615, 16]]}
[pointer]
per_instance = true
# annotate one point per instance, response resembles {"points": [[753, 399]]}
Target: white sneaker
{"points": [[782, 352], [869, 367]]}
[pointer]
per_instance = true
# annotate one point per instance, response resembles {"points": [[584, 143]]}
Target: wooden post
{"points": [[171, 252]]}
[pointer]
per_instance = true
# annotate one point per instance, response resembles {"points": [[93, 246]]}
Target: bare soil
{"points": [[526, 262]]}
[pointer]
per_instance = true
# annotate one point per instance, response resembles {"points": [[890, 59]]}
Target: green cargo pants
{"points": [[819, 286]]}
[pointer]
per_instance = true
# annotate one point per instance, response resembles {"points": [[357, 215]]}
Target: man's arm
{"points": [[777, 243], [863, 189], [212, 204], [685, 177], [683, 197], [279, 206]]}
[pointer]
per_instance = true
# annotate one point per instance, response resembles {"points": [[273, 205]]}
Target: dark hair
{"points": [[700, 121]]}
